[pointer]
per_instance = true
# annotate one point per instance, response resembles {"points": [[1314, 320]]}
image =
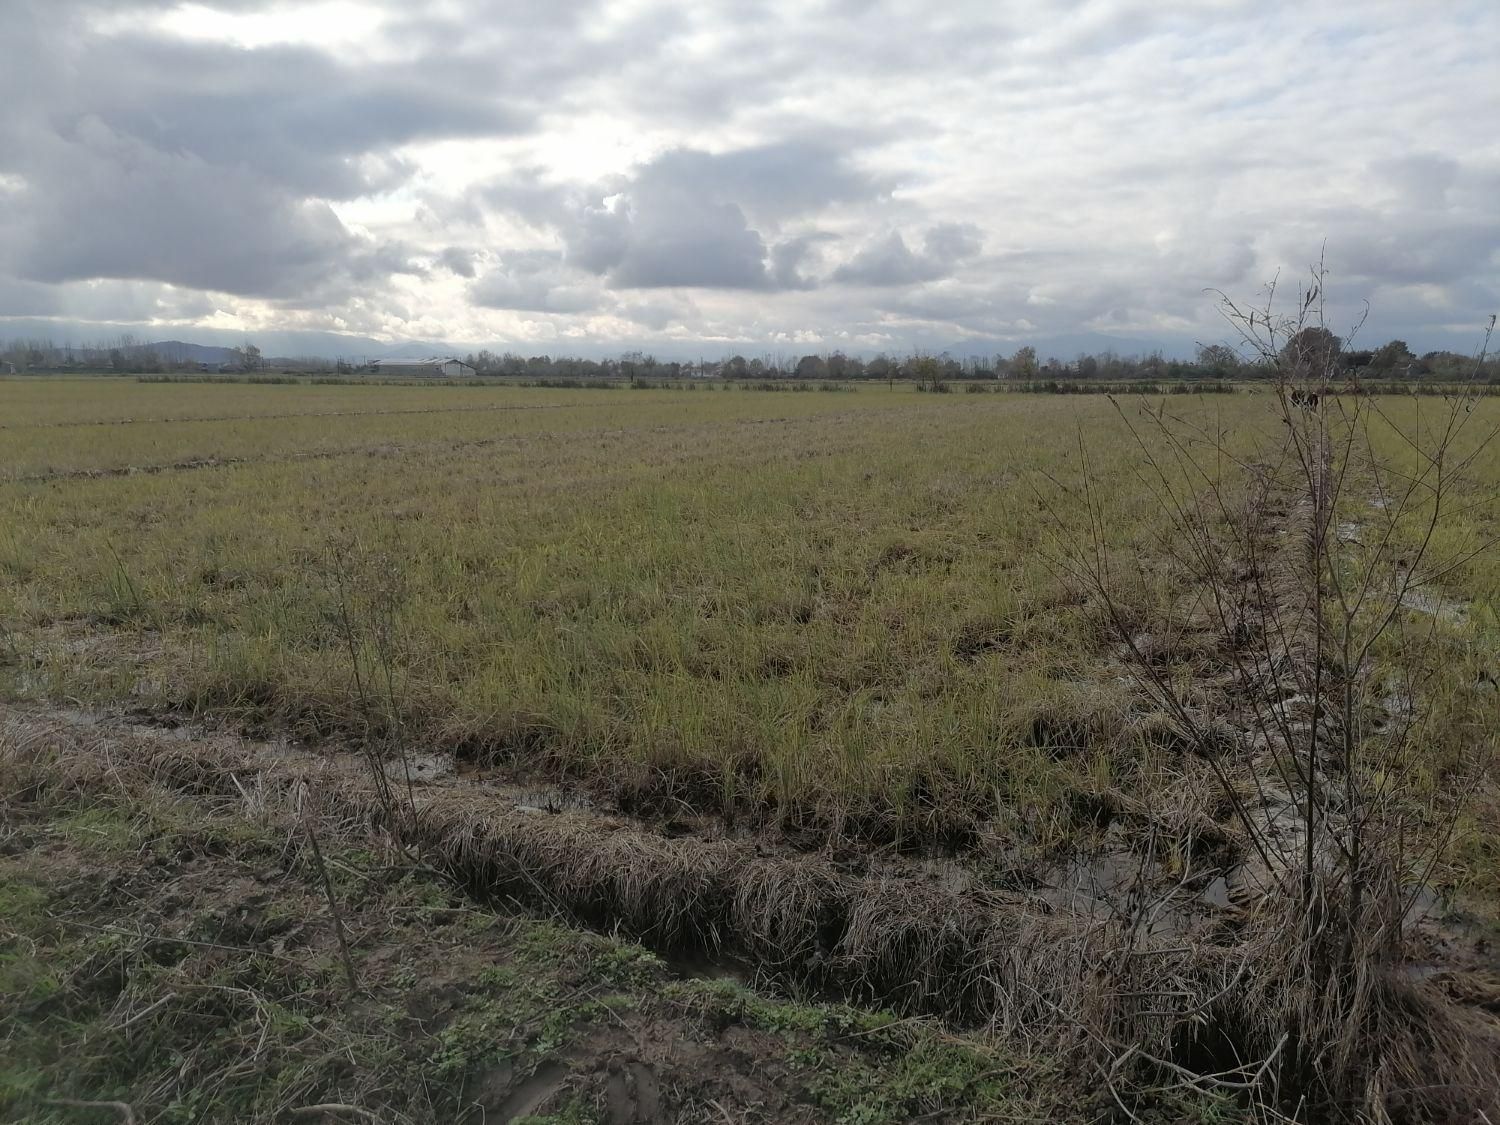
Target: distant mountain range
{"points": [[298, 345], [215, 345], [182, 351], [179, 351]]}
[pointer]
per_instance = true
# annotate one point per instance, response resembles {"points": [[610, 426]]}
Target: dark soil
{"points": [[180, 960]]}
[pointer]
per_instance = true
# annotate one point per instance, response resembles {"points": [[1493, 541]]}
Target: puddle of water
{"points": [[1426, 905], [170, 734], [1217, 894], [1434, 605], [551, 799], [75, 717], [423, 768], [1113, 885], [709, 967]]}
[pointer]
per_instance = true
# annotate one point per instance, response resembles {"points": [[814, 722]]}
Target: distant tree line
{"points": [[1317, 350], [128, 355], [1313, 350]]}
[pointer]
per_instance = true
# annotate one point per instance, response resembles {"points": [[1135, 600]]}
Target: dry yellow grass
{"points": [[837, 611]]}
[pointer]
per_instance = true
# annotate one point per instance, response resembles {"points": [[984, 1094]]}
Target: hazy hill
{"points": [[180, 351]]}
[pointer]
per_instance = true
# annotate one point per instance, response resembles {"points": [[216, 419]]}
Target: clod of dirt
{"points": [[632, 1096], [520, 1099]]}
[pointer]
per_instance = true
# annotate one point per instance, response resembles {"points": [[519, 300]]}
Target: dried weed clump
{"points": [[1139, 1007]]}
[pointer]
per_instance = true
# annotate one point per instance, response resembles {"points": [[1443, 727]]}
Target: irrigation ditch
{"points": [[1138, 973]]}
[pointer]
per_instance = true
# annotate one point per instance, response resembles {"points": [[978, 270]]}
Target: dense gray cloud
{"points": [[120, 208], [694, 243], [771, 182], [889, 261], [790, 256], [860, 173], [656, 239], [294, 113], [206, 165], [684, 219], [457, 260], [532, 282]]}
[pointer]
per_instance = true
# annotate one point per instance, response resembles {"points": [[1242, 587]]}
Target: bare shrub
{"points": [[1297, 550]]}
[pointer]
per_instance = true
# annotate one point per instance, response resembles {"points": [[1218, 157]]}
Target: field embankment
{"points": [[168, 953]]}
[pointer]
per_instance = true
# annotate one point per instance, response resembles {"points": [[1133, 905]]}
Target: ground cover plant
{"points": [[845, 634]]}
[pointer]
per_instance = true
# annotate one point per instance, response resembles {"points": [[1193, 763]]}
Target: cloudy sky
{"points": [[574, 177]]}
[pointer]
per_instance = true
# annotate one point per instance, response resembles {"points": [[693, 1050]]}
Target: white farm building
{"points": [[438, 367]]}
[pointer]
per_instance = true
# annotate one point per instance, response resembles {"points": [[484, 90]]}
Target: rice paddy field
{"points": [[842, 628], [807, 605]]}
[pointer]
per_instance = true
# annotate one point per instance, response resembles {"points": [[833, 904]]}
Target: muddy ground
{"points": [[168, 957], [170, 951]]}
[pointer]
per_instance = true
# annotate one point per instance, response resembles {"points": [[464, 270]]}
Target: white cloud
{"points": [[606, 173]]}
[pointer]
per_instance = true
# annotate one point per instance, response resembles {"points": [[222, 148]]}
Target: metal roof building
{"points": [[437, 367]]}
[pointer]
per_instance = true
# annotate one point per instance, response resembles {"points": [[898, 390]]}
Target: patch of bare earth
{"points": [[1051, 960], [170, 951]]}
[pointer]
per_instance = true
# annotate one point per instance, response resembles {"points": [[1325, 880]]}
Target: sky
{"points": [[858, 175]]}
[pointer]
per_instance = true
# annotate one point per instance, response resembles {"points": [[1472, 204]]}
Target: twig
{"points": [[141, 935], [1109, 1081], [1219, 1079], [146, 1011], [333, 904]]}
